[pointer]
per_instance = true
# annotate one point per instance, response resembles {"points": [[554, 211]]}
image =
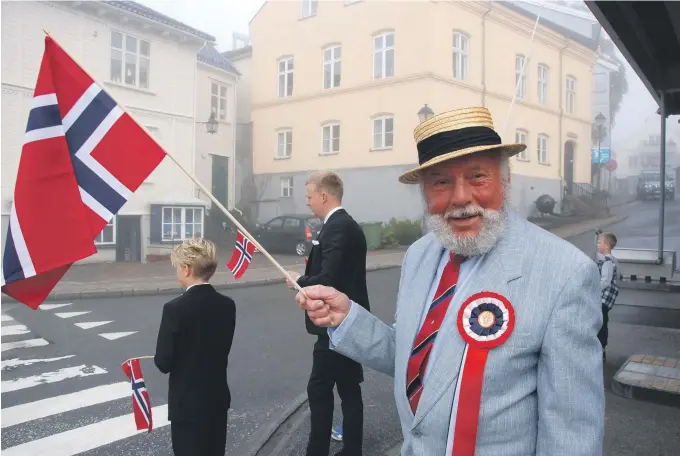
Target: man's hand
{"points": [[325, 306], [295, 277]]}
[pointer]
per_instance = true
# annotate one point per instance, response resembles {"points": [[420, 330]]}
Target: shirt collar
{"points": [[333, 211], [195, 284]]}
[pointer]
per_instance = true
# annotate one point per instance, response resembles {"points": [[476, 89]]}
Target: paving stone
{"points": [[659, 361], [637, 358], [648, 359], [670, 362], [630, 378], [660, 383]]}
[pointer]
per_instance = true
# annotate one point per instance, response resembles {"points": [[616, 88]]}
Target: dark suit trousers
{"points": [[199, 438], [603, 335], [330, 369]]}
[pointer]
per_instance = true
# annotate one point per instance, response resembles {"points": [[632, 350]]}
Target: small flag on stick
{"points": [[141, 404], [242, 256]]}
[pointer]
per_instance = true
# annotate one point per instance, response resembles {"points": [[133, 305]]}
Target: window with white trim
{"points": [[181, 223], [383, 132], [284, 144], [383, 55], [542, 84], [107, 236], [218, 100], [332, 68], [309, 7], [521, 137], [130, 60], [285, 69], [460, 56], [330, 142], [286, 187], [543, 149], [520, 77], [571, 94]]}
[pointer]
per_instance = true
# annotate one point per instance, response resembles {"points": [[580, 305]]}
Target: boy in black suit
{"points": [[194, 341], [338, 259]]}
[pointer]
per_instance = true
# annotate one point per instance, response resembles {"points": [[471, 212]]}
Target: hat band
{"points": [[453, 140]]}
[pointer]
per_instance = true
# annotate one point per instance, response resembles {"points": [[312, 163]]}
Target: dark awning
{"points": [[648, 35]]}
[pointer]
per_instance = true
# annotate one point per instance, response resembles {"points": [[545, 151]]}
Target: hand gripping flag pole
{"points": [[214, 200]]}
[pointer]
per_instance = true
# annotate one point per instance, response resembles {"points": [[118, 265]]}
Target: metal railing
{"points": [[591, 195]]}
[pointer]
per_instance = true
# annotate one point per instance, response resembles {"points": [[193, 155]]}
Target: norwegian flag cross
{"points": [[242, 256], [141, 404]]}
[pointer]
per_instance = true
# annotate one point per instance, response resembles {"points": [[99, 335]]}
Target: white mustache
{"points": [[464, 212]]}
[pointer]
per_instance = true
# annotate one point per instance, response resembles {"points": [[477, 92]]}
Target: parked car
{"points": [[289, 233], [649, 185]]}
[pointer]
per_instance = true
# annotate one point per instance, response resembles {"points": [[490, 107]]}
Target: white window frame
{"points": [[287, 187], [219, 115], [384, 50], [288, 77], [522, 137], [136, 54], [520, 86], [309, 8], [542, 143], [543, 76], [383, 132], [570, 101], [284, 149], [461, 48], [327, 142], [183, 222], [334, 62], [99, 239]]}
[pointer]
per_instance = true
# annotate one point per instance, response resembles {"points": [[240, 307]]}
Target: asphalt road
{"points": [[68, 396]]}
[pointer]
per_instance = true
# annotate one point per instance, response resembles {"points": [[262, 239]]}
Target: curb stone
{"points": [[260, 439]]}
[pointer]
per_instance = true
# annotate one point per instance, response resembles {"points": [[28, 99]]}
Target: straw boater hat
{"points": [[453, 134]]}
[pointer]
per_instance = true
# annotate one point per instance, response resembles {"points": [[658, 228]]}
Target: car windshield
{"points": [[651, 176], [314, 223]]}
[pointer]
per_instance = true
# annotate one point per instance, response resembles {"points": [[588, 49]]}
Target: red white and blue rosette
{"points": [[485, 321]]}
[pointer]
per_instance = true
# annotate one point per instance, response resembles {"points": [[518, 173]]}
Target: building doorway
{"points": [[129, 238], [569, 166], [220, 171]]}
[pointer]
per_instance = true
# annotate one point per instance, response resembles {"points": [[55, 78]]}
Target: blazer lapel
{"points": [[494, 270]]}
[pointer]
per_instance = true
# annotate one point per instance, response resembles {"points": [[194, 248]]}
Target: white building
{"points": [[168, 76]]}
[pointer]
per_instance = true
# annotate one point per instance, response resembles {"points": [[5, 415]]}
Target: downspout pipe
{"points": [[560, 160], [484, 55], [662, 206]]}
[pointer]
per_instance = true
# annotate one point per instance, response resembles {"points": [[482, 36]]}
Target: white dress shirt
{"points": [[332, 211]]}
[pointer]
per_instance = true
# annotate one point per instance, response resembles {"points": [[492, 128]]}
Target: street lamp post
{"points": [[425, 113], [599, 122]]}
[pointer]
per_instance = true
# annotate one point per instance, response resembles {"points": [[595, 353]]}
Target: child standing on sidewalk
{"points": [[194, 341], [609, 272]]}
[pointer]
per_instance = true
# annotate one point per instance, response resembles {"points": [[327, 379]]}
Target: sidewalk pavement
{"points": [[110, 280]]}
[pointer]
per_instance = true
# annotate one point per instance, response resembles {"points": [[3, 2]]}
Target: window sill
{"points": [[525, 160], [302, 18], [107, 246], [128, 87], [379, 149], [329, 153], [383, 78], [544, 163], [282, 158]]}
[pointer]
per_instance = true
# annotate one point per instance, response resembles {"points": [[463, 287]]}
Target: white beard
{"points": [[493, 225]]}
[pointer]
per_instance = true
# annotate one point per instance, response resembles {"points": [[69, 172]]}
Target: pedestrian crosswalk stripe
{"points": [[4, 317], [50, 377], [53, 306], [15, 362], [28, 343], [92, 324], [71, 314], [117, 335], [88, 437], [14, 330], [18, 414]]}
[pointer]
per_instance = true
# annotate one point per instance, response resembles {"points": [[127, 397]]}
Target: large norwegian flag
{"points": [[242, 255], [82, 159], [141, 404]]}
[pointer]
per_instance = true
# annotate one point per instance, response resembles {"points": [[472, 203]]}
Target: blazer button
{"points": [[417, 433]]}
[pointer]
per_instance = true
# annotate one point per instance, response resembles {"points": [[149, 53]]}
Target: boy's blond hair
{"points": [[198, 254], [609, 239], [327, 181]]}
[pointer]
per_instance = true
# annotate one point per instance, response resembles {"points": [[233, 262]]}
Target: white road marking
{"points": [[53, 306], [4, 317], [14, 330], [50, 377], [71, 314], [87, 437], [16, 362], [28, 343], [92, 324], [118, 335], [18, 414]]}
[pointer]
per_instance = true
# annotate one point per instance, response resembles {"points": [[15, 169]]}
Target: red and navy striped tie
{"points": [[422, 346]]}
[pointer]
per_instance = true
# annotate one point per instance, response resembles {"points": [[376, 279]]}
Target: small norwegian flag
{"points": [[141, 404], [242, 256]]}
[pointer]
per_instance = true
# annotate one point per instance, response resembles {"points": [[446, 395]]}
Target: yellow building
{"points": [[338, 85]]}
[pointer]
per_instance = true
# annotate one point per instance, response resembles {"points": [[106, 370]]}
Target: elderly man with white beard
{"points": [[494, 351]]}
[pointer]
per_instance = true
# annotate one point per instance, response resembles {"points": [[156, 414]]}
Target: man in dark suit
{"points": [[337, 259], [194, 341]]}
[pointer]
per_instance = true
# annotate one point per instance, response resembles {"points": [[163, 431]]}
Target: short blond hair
{"points": [[199, 254], [327, 181], [609, 239]]}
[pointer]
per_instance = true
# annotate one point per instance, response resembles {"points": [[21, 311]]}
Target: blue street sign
{"points": [[601, 157]]}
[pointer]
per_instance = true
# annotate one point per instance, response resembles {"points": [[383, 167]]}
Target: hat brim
{"points": [[414, 175]]}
